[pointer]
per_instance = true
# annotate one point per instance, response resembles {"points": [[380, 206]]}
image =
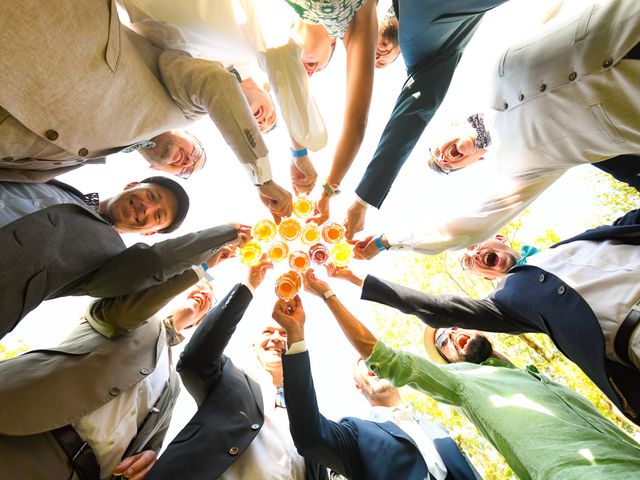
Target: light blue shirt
{"points": [[20, 199]]}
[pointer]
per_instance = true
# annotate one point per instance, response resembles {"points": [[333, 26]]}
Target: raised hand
{"points": [[276, 199], [258, 271], [303, 175], [313, 284], [322, 211], [137, 466], [354, 221]]}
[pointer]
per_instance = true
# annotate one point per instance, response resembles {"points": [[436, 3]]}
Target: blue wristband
{"points": [[204, 266], [299, 153], [379, 244]]}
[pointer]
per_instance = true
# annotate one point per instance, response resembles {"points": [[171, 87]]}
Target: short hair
{"points": [[181, 196]]}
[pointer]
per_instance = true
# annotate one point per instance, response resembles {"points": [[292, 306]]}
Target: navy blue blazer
{"points": [[432, 37], [356, 448], [230, 409], [530, 299]]}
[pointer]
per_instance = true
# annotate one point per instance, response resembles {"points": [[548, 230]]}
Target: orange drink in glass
{"points": [[319, 253], [332, 232], [299, 261], [341, 254], [289, 229], [278, 251], [310, 234], [250, 254], [303, 207], [288, 285], [264, 230]]}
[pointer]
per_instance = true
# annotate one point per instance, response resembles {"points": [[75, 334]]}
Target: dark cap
{"points": [[181, 196]]}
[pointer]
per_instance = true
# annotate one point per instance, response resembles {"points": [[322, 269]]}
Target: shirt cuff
{"points": [[250, 288], [260, 170], [199, 271], [297, 347], [362, 202]]}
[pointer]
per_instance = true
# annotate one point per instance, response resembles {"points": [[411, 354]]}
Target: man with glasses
{"points": [[583, 292], [177, 152], [542, 429], [85, 86]]}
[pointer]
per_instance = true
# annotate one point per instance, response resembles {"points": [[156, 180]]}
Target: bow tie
{"points": [[145, 144], [91, 199], [483, 138], [526, 251]]}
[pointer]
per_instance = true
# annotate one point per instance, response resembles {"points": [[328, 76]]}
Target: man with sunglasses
{"points": [[542, 429], [583, 292]]}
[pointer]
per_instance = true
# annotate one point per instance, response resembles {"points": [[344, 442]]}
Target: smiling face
{"points": [[270, 346], [387, 48], [491, 259], [176, 152], [143, 208], [317, 46], [455, 153], [190, 309], [461, 345]]}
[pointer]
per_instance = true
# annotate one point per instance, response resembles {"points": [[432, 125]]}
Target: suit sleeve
{"points": [[201, 363], [204, 87], [117, 315], [318, 439], [414, 109], [439, 311], [141, 266]]}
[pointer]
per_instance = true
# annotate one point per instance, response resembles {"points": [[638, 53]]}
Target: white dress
{"points": [[239, 33]]}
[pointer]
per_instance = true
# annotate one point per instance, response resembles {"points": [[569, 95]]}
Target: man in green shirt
{"points": [[542, 429]]}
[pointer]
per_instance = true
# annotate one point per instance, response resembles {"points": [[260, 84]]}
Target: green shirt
{"points": [[543, 430]]}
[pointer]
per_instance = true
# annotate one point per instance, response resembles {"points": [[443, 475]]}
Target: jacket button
{"points": [[144, 371], [573, 76], [7, 159], [521, 97], [51, 135], [233, 451], [561, 290], [255, 426], [505, 105], [114, 392], [83, 152], [542, 87], [608, 62], [541, 278]]}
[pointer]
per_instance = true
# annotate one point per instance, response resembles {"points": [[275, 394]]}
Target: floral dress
{"points": [[334, 15]]}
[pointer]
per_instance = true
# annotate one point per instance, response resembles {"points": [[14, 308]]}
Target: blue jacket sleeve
{"points": [[420, 98], [318, 439]]}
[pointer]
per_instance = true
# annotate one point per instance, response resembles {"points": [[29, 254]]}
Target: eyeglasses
{"points": [[196, 154], [441, 162], [442, 339]]}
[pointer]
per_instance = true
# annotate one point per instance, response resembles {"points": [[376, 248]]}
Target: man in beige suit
{"points": [[566, 96], [94, 405], [74, 77]]}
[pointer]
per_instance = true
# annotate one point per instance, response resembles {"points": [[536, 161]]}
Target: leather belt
{"points": [[80, 454], [623, 336]]}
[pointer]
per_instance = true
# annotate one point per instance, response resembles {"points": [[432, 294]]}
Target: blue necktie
{"points": [[526, 251]]}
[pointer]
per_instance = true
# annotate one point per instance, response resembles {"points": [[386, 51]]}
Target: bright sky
{"points": [[222, 193]]}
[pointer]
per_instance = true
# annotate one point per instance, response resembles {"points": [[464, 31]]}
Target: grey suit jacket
{"points": [[46, 389], [75, 77], [84, 255]]}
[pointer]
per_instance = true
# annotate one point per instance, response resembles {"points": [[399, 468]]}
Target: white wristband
{"points": [[328, 294]]}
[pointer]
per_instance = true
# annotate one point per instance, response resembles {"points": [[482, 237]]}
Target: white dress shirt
{"points": [[271, 455], [110, 428], [239, 32], [606, 274]]}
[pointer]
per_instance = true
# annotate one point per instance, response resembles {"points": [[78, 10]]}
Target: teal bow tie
{"points": [[526, 251]]}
